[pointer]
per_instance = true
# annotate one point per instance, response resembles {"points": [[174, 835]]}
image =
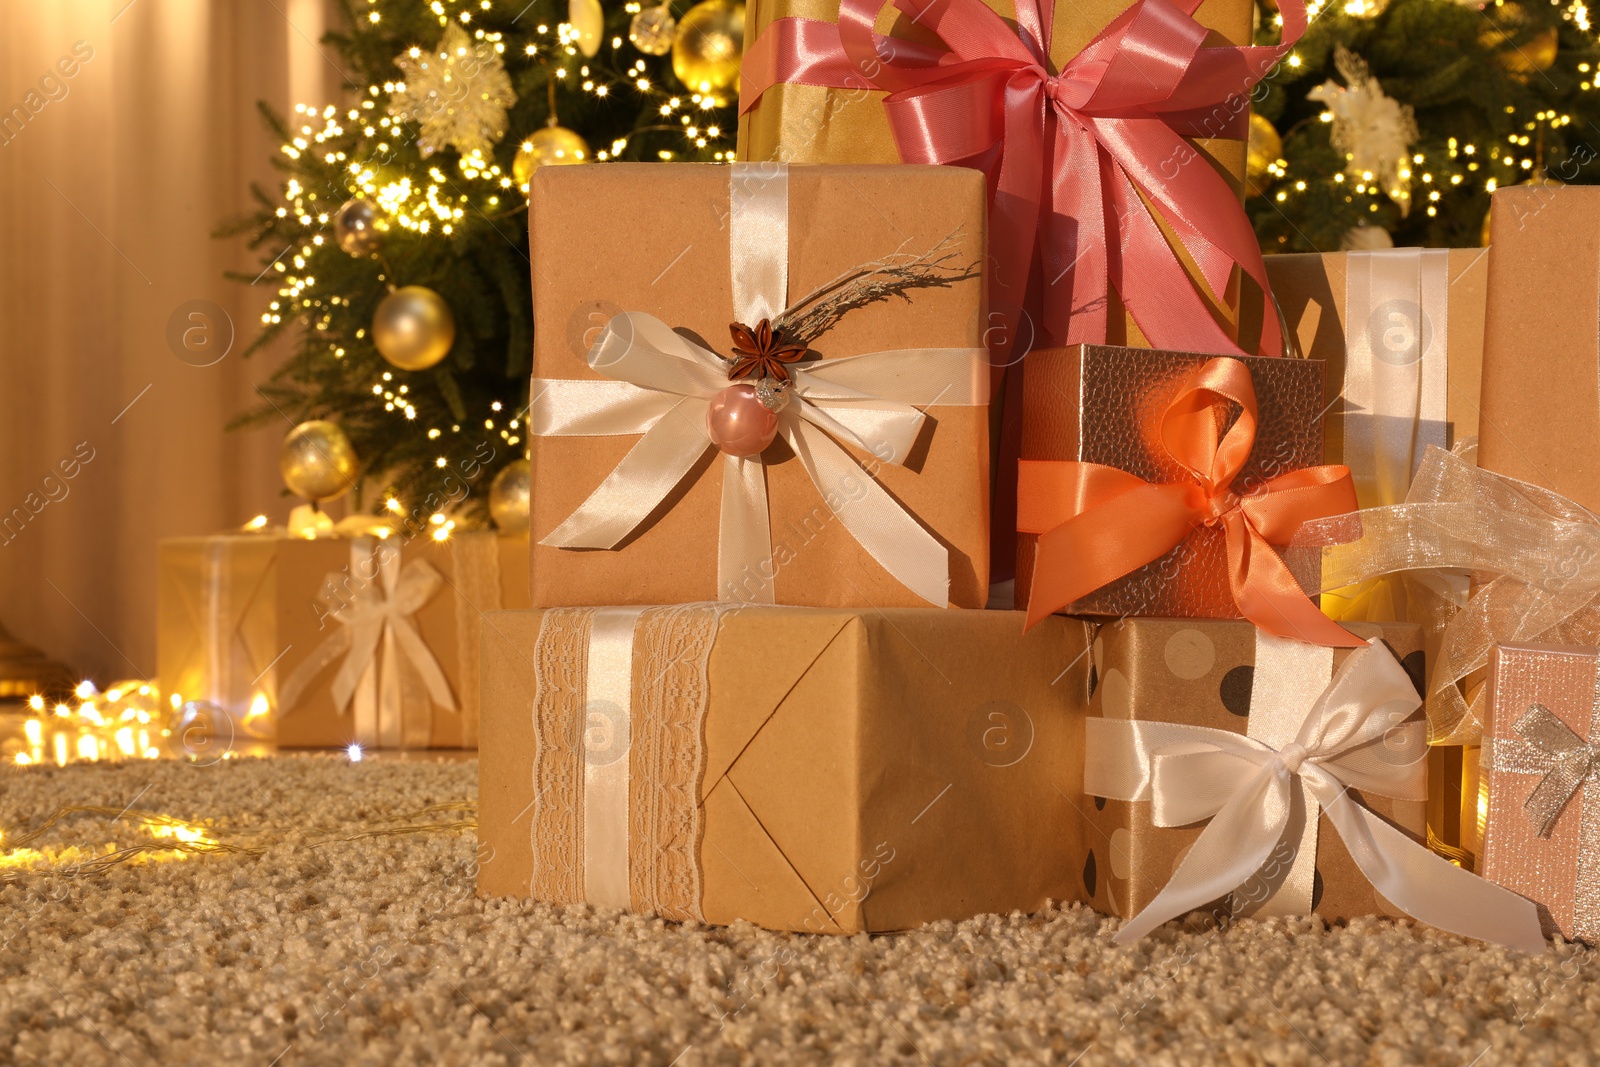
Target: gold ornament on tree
{"points": [[552, 146], [708, 47], [588, 24], [317, 462], [1264, 149], [1527, 58], [509, 494], [457, 94], [413, 328], [355, 227], [653, 30]]}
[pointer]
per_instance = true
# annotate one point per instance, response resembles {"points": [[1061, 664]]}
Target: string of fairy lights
{"points": [[1463, 164], [351, 188]]}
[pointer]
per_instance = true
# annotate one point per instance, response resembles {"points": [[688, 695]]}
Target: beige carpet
{"points": [[377, 951]]}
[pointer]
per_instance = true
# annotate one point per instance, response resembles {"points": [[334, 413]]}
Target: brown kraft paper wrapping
{"points": [[1311, 291], [860, 771], [239, 613], [1103, 404], [1199, 672], [661, 247], [1541, 397]]}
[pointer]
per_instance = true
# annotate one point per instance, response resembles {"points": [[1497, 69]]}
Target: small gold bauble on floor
{"points": [[653, 29], [553, 146], [317, 461], [413, 328], [355, 227], [709, 46], [509, 495], [1264, 149]]}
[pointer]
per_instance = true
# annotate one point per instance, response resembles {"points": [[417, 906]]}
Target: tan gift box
{"points": [[239, 615], [1541, 350], [804, 769], [655, 239], [1200, 672]]}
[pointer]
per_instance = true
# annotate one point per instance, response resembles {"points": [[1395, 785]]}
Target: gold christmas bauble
{"points": [[1543, 179], [1264, 149], [1535, 54], [508, 497], [653, 29], [588, 21], [355, 227], [553, 146], [708, 47], [317, 462], [413, 328]]}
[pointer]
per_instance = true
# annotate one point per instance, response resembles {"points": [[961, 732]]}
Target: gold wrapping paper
{"points": [[1522, 766], [1199, 672], [238, 613], [662, 248], [1103, 404], [851, 770], [813, 124]]}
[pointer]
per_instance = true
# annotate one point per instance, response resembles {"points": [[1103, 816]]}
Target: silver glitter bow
{"points": [[1564, 759]]}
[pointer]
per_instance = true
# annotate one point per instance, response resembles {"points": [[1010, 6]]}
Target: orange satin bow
{"points": [[1098, 523]]}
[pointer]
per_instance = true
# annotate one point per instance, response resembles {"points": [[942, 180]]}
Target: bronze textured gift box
{"points": [[1104, 405], [1541, 805], [1203, 673], [672, 243], [805, 769], [260, 628]]}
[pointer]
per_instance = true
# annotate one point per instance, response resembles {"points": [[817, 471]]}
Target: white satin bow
{"points": [[1247, 789], [378, 612], [660, 386]]}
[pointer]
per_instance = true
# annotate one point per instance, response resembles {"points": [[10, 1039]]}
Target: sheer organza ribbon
{"points": [[660, 384], [1098, 523], [383, 652], [1085, 167], [1533, 553], [1248, 789]]}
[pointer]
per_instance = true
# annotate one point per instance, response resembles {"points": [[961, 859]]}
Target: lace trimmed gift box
{"points": [[805, 769]]}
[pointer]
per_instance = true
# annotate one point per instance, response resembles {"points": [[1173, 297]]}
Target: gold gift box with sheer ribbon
{"points": [[249, 632], [805, 769]]}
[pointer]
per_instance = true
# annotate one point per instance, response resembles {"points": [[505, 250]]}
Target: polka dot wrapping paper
{"points": [[1200, 672]]}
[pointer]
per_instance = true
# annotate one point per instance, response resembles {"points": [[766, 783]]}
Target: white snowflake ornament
{"points": [[456, 94], [1374, 131]]}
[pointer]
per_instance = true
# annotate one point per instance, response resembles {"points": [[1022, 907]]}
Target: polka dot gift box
{"points": [[1202, 672]]}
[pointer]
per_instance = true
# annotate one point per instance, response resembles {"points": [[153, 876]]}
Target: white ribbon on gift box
{"points": [[661, 384], [1248, 790], [379, 642]]}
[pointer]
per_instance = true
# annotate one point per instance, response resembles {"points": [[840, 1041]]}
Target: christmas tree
{"points": [[399, 237], [1392, 123]]}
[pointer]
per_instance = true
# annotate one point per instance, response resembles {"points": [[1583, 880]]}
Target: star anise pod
{"points": [[761, 353]]}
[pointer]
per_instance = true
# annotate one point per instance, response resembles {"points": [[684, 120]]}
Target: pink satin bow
{"points": [[1079, 163]]}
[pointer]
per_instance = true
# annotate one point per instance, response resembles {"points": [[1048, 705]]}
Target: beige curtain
{"points": [[127, 132]]}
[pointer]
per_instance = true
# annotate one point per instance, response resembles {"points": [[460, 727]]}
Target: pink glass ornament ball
{"points": [[739, 423]]}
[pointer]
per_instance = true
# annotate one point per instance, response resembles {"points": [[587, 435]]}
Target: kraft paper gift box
{"points": [[805, 769], [1540, 802], [1099, 422], [1541, 351], [886, 501], [259, 629], [1235, 772]]}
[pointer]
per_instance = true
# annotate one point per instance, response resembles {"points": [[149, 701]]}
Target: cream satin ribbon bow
{"points": [[661, 384], [378, 612], [1247, 790]]}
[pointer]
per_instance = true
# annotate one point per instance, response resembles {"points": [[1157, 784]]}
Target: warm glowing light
{"points": [[85, 690], [354, 752]]}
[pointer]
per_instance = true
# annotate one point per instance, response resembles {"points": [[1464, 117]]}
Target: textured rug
{"points": [[336, 935]]}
